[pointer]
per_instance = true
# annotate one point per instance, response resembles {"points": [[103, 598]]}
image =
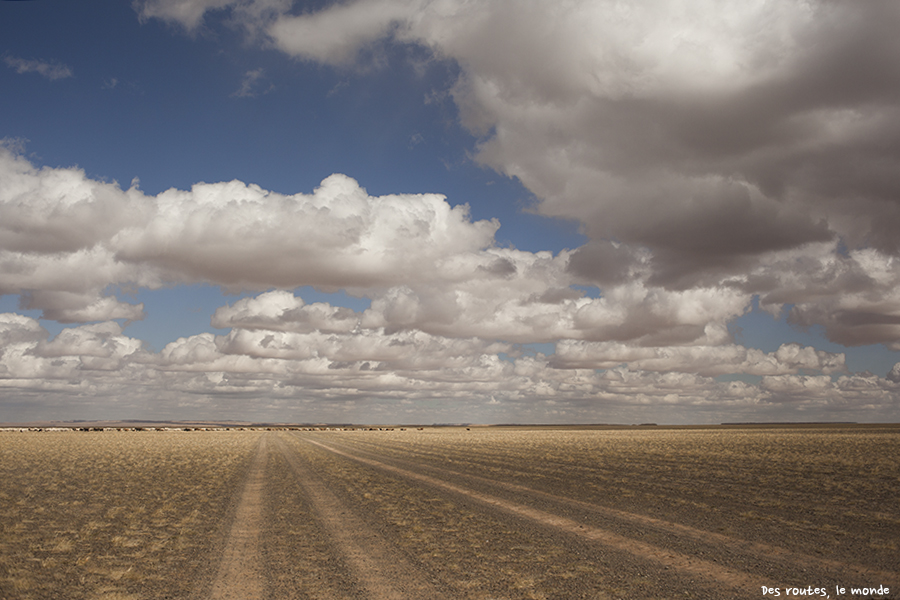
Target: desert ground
{"points": [[451, 512]]}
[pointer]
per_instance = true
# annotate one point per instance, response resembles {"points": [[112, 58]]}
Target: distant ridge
{"points": [[216, 423], [792, 423]]}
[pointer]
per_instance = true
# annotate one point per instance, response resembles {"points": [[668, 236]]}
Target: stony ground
{"points": [[485, 513]]}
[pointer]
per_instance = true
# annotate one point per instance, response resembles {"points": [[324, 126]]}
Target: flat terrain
{"points": [[486, 513]]}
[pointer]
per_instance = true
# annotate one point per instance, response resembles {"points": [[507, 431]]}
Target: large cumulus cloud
{"points": [[65, 238], [425, 264], [712, 151], [339, 236], [705, 140]]}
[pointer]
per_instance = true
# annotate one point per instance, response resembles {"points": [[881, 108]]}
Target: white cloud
{"points": [[712, 151], [282, 311], [189, 13], [65, 238], [508, 295], [712, 133], [894, 374], [17, 329], [707, 361], [339, 236], [68, 307], [82, 359], [251, 85], [414, 376], [446, 306], [51, 210], [98, 347], [336, 34], [852, 294], [701, 144], [51, 71]]}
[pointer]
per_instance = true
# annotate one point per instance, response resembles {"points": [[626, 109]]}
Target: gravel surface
{"points": [[482, 514]]}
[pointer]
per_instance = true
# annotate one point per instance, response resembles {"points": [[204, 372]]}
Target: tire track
{"points": [[382, 572], [684, 563], [758, 549], [240, 575]]}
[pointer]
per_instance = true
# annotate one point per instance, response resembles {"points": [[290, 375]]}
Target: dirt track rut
{"points": [[739, 580], [441, 478], [368, 525], [381, 572], [240, 575], [698, 567]]}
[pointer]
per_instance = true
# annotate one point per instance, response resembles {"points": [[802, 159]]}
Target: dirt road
{"points": [[339, 516], [240, 574], [482, 514]]}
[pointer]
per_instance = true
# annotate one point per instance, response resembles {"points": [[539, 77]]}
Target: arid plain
{"points": [[480, 513]]}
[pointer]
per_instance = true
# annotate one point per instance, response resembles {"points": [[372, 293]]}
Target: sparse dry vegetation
{"points": [[480, 513], [832, 491], [113, 515]]}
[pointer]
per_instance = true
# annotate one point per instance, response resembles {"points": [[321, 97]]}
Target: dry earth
{"points": [[481, 514]]}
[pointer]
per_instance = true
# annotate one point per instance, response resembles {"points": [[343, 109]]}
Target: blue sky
{"points": [[417, 211]]}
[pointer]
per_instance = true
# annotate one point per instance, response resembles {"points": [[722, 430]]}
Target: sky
{"points": [[446, 211]]}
